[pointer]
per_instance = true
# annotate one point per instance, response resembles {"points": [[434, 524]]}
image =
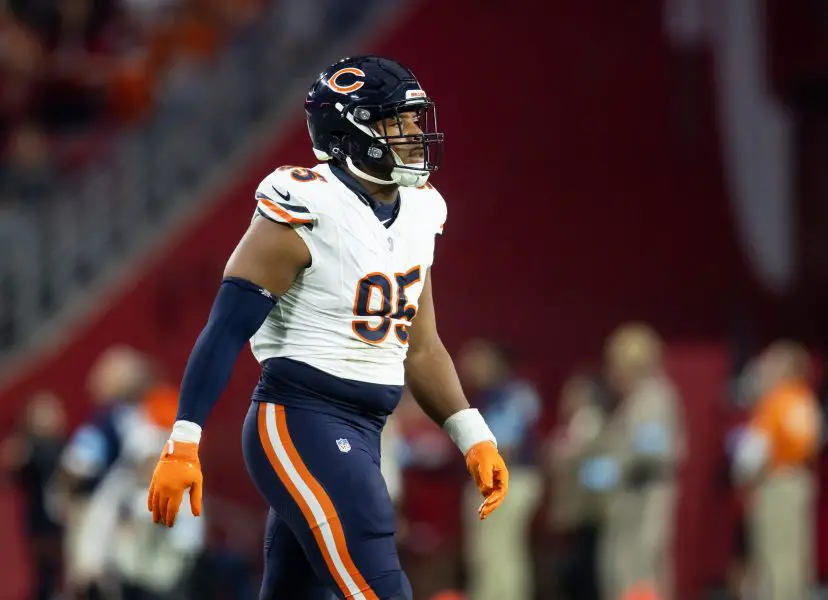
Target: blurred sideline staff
{"points": [[644, 441], [29, 456], [500, 565], [773, 458], [574, 513], [126, 393]]}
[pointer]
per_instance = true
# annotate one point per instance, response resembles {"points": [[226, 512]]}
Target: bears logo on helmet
{"points": [[346, 89]]}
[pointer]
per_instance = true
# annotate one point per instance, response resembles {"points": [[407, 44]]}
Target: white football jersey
{"points": [[347, 313]]}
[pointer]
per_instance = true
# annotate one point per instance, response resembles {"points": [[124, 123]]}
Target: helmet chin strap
{"points": [[363, 175]]}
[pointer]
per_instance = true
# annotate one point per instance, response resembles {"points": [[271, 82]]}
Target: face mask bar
{"points": [[430, 140]]}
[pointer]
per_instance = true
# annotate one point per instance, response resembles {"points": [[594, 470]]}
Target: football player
{"points": [[331, 285]]}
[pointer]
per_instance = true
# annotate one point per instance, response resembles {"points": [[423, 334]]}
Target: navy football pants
{"points": [[330, 529]]}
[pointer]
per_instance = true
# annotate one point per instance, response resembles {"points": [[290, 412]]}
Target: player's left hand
{"points": [[177, 470], [489, 472]]}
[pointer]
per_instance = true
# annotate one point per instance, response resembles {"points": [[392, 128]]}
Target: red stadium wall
{"points": [[576, 200]]}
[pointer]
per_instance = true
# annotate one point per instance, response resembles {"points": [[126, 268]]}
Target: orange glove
{"points": [[489, 472], [177, 470]]}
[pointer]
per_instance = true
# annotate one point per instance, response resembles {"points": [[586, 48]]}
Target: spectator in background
{"points": [[573, 459], [118, 382], [21, 54], [774, 459], [498, 550], [30, 456], [27, 172], [644, 439], [185, 47], [72, 83]]}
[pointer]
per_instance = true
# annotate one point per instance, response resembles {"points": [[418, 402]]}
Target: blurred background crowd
{"points": [[631, 285], [74, 69]]}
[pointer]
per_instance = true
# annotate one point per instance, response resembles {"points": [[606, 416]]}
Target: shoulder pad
{"points": [[287, 196]]}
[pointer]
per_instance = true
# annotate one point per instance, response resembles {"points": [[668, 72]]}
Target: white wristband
{"points": [[186, 431], [466, 428]]}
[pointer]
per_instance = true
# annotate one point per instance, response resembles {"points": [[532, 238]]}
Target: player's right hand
{"points": [[490, 474], [177, 470]]}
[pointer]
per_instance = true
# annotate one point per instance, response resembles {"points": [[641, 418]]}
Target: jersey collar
{"points": [[352, 183]]}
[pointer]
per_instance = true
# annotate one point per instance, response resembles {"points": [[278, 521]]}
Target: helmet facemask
{"points": [[376, 149]]}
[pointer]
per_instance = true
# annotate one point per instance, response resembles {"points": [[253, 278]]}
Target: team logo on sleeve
{"points": [[334, 84], [343, 445]]}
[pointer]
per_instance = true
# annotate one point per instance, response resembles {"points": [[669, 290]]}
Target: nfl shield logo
{"points": [[343, 445]]}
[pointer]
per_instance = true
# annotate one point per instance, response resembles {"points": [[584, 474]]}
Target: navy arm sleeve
{"points": [[239, 310]]}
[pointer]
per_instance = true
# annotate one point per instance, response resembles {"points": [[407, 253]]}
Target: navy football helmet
{"points": [[347, 101]]}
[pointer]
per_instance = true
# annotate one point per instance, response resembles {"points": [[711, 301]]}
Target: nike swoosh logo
{"points": [[285, 196]]}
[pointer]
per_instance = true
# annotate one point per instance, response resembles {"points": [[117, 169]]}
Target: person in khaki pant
{"points": [[497, 549], [773, 458], [644, 443]]}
